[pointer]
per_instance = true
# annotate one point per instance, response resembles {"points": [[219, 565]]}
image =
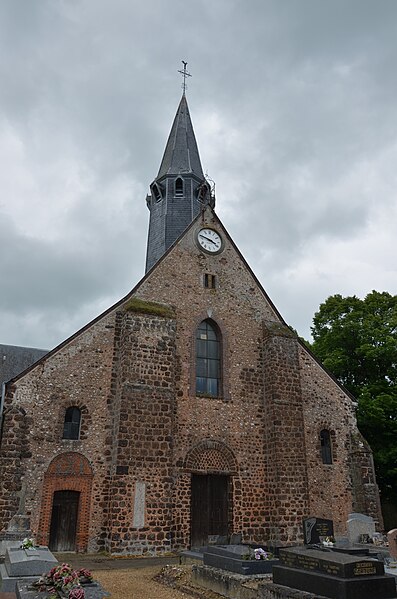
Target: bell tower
{"points": [[180, 190]]}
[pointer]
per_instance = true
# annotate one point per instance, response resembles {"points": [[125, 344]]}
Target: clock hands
{"points": [[208, 239]]}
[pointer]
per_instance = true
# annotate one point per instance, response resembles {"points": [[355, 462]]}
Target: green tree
{"points": [[357, 341]]}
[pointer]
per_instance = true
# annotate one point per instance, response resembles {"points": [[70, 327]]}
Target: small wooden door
{"points": [[65, 507], [209, 507]]}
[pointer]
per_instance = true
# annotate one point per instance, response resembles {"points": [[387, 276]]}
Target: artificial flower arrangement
{"points": [[262, 554], [63, 581], [329, 542], [259, 554], [28, 543]]}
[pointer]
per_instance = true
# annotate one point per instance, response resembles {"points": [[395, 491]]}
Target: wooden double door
{"points": [[65, 508], [209, 507]]}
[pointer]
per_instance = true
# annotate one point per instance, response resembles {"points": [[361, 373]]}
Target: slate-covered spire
{"points": [[180, 189], [181, 154]]}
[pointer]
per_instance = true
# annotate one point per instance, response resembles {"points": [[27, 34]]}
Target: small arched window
{"points": [[326, 446], [179, 186], [208, 360], [71, 425]]}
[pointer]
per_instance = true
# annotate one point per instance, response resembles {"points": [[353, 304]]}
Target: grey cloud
{"points": [[294, 110]]}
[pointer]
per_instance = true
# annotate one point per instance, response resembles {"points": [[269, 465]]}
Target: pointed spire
{"points": [[180, 191], [181, 154]]}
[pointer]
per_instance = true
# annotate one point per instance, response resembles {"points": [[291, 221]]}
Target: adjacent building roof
{"points": [[14, 360]]}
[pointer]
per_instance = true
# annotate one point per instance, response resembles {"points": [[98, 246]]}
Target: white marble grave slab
{"points": [[359, 524]]}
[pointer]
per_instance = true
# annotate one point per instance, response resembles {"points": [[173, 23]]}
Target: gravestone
{"points": [[22, 567], [216, 539], [29, 562], [18, 529], [359, 527], [24, 564], [314, 528], [236, 538], [333, 574], [233, 558], [392, 538], [93, 590]]}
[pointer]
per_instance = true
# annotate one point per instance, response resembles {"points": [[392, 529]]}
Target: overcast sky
{"points": [[294, 106]]}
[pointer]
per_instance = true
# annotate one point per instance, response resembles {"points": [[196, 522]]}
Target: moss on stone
{"points": [[141, 306], [279, 329]]}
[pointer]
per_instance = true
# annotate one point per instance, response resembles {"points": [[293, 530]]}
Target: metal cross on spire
{"points": [[184, 74]]}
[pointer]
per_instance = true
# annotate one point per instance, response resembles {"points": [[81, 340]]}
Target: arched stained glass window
{"points": [[71, 425], [326, 447], [208, 359]]}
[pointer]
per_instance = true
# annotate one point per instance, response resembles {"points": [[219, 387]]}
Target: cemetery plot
{"points": [[333, 574], [316, 529]]}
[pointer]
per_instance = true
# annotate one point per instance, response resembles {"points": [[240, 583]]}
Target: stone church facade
{"points": [[187, 409]]}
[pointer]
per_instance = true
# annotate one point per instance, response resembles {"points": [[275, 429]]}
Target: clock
{"points": [[209, 240]]}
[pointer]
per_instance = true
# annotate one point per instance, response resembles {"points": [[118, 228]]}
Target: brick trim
{"points": [[211, 456], [67, 472]]}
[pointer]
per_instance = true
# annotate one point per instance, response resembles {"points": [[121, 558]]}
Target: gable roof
{"points": [[150, 272], [137, 286]]}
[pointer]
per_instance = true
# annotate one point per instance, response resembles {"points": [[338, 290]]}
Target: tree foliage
{"points": [[357, 341]]}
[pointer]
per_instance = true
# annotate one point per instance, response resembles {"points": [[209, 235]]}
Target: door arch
{"points": [[212, 465], [66, 494]]}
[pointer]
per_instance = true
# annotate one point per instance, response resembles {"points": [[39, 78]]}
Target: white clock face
{"points": [[209, 240]]}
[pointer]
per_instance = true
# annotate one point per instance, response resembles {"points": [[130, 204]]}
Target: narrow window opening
{"points": [[179, 187], [71, 425], [209, 281], [156, 193], [326, 448]]}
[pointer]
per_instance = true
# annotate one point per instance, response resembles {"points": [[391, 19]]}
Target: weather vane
{"points": [[184, 74]]}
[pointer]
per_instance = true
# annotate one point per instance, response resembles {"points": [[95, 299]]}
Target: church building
{"points": [[188, 409]]}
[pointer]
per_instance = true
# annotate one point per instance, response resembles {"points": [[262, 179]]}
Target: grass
{"points": [[140, 306]]}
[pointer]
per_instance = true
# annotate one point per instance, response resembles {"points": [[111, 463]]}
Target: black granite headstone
{"points": [[234, 559], [337, 564], [314, 528], [332, 574]]}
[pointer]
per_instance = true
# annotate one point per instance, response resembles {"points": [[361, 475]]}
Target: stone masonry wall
{"points": [[144, 438], [145, 431], [366, 499], [14, 449], [79, 374], [284, 442], [334, 487], [238, 306]]}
